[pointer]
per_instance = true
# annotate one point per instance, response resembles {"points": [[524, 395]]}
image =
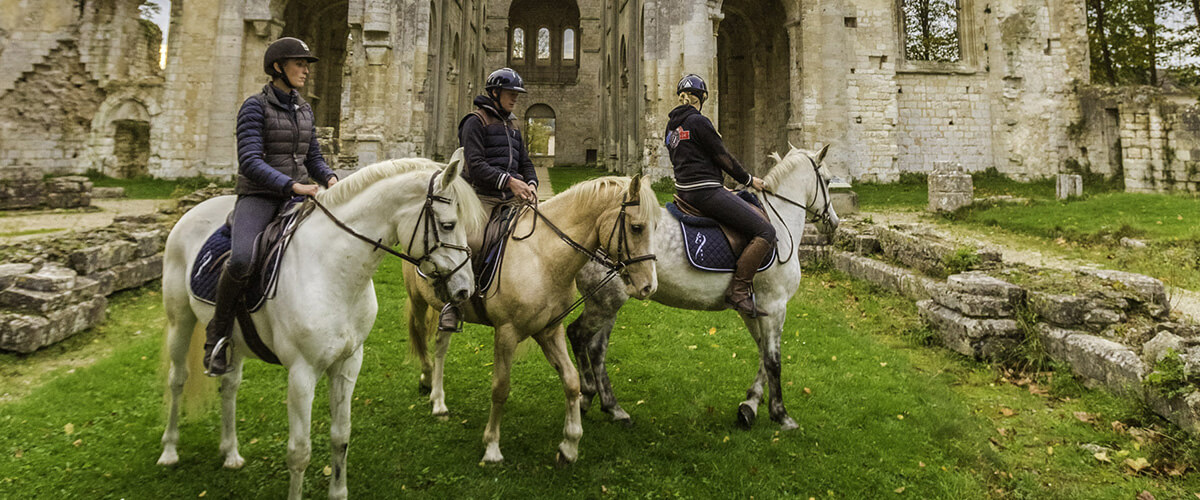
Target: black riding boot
{"points": [[448, 320], [218, 331], [740, 294]]}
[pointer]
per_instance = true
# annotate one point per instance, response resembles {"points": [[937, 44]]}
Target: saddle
{"points": [[710, 245], [269, 247], [495, 242]]}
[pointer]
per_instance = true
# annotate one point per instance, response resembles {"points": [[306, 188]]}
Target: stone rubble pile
{"points": [[27, 189], [61, 288], [1113, 328]]}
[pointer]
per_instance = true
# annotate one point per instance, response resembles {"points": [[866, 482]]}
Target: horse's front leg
{"points": [[229, 388], [580, 333], [748, 409], [554, 346], [771, 329], [437, 392], [505, 345], [302, 382], [342, 376], [598, 352]]}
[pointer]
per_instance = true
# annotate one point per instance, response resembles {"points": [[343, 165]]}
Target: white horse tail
{"points": [[199, 392]]}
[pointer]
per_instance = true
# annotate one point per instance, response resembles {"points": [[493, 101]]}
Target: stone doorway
{"points": [[753, 81], [131, 148], [324, 27]]}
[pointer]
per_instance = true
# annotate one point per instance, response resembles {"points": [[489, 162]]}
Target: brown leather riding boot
{"points": [[448, 320], [740, 294], [218, 331]]}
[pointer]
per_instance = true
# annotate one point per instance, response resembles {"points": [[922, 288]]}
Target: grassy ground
{"points": [[151, 188], [1088, 228], [878, 412]]}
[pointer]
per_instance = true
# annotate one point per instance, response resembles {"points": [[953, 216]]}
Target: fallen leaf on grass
{"points": [[883, 363], [1137, 465], [1145, 495], [328, 471], [1008, 412], [1176, 469], [1102, 456], [899, 490], [692, 347], [1118, 427], [807, 390], [78, 443], [712, 331], [1038, 391], [1085, 417], [69, 429], [726, 440], [202, 493], [1002, 431], [920, 464], [254, 440], [20, 453]]}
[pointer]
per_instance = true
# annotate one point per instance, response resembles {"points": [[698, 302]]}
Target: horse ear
{"points": [[452, 169], [635, 187], [775, 156], [821, 155], [791, 147]]}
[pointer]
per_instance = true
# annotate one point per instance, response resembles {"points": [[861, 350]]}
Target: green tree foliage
{"points": [[1144, 42], [931, 30]]}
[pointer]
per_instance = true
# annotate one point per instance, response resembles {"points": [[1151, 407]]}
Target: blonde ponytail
{"points": [[686, 98]]}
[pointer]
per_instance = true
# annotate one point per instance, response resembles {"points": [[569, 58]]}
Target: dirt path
{"points": [[1187, 302], [17, 226]]}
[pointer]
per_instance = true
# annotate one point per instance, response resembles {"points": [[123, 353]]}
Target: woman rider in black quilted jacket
{"points": [[699, 157], [277, 155]]}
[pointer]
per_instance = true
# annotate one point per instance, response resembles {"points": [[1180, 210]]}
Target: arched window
{"points": [[543, 44], [539, 127], [568, 44], [518, 44]]}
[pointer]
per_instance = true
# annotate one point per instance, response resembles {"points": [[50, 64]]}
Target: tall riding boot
{"points": [[448, 320], [740, 294], [218, 331]]}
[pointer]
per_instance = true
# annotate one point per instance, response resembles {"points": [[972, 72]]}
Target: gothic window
{"points": [[543, 44], [518, 44], [568, 44], [932, 30], [548, 47]]}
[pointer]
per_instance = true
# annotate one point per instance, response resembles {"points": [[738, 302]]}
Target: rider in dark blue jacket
{"points": [[497, 162], [699, 157], [277, 155]]}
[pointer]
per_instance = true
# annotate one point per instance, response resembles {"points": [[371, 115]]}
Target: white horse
{"points": [[615, 215], [325, 304], [795, 188]]}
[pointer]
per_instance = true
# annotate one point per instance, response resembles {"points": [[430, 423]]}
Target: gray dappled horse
{"points": [[799, 192]]}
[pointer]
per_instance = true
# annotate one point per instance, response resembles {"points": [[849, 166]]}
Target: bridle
{"points": [[424, 264], [817, 217]]}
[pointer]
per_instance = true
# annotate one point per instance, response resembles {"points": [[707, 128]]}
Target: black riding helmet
{"points": [[504, 78], [283, 49], [694, 85]]}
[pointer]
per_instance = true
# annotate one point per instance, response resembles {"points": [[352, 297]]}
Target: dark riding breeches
{"points": [[251, 215], [724, 206]]}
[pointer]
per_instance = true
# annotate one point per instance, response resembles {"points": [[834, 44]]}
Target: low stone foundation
{"points": [[1113, 328], [53, 288], [27, 189]]}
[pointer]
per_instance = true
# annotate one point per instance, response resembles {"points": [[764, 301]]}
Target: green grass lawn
{"points": [[151, 188], [878, 411]]}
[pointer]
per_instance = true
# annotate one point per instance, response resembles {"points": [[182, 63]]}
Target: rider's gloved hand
{"points": [[522, 189], [758, 184]]}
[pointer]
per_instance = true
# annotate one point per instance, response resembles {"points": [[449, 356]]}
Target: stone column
{"points": [[1068, 185]]}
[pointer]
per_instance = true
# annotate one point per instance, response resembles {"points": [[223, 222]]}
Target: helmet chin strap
{"points": [[283, 76]]}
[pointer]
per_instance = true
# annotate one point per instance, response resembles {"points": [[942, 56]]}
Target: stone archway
{"points": [[119, 144], [539, 131], [324, 26], [753, 80]]}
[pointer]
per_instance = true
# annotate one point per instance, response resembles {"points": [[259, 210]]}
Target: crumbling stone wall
{"points": [[1113, 328], [27, 189], [53, 288]]}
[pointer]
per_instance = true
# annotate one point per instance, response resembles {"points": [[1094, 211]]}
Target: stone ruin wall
{"points": [[68, 73]]}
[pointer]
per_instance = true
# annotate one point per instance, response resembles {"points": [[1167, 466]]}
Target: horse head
{"points": [[625, 235], [451, 212], [797, 177]]}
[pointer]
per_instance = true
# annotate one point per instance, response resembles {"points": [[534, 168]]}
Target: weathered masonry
{"points": [[893, 87]]}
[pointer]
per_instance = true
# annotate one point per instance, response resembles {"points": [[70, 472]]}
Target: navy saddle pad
{"points": [[705, 244], [206, 270]]}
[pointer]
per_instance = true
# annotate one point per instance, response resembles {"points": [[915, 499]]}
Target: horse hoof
{"points": [[625, 422], [745, 416], [561, 461], [168, 459], [234, 461], [786, 423], [445, 417]]}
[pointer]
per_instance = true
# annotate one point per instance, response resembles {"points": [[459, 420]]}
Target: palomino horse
{"points": [[325, 305], [616, 215], [795, 177]]}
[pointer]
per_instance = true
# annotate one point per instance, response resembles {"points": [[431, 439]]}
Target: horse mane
{"points": [[470, 211], [785, 166], [610, 189]]}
